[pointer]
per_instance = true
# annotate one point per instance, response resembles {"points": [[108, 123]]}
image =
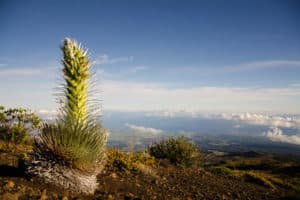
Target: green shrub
{"points": [[144, 158], [6, 147], [222, 171], [18, 134], [15, 125], [178, 151], [77, 138], [2, 115], [119, 161]]}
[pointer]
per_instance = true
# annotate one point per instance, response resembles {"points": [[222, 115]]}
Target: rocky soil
{"points": [[161, 182]]}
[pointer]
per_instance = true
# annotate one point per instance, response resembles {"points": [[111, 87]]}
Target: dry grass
{"points": [[259, 178]]}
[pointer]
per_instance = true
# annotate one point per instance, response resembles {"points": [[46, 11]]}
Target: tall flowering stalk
{"points": [[77, 138], [76, 73]]}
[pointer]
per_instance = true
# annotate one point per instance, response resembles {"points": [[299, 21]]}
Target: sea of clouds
{"points": [[276, 128]]}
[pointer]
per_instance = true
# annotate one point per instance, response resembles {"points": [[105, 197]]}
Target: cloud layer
{"points": [[20, 72], [270, 64], [275, 123], [121, 95], [275, 134], [106, 59], [144, 130], [265, 120]]}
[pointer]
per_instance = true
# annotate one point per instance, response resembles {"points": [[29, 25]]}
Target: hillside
{"points": [[159, 179]]}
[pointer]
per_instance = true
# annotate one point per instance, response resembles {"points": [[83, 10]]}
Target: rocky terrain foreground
{"points": [[160, 182]]}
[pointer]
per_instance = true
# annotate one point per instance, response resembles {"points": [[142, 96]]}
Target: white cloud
{"points": [[173, 113], [137, 68], [144, 130], [238, 118], [152, 97], [270, 64], [260, 119], [28, 71], [120, 74], [295, 85], [247, 66], [106, 59], [22, 72], [237, 126], [46, 114], [275, 134], [262, 65]]}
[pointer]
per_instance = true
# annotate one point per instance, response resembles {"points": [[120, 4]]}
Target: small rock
{"points": [[22, 188], [64, 198], [10, 184], [129, 196], [10, 196], [30, 192], [113, 175], [138, 185], [224, 196], [110, 197], [188, 197], [44, 195], [65, 195], [55, 195], [156, 182]]}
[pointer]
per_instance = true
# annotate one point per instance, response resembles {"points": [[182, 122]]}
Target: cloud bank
{"points": [[106, 59], [270, 64], [275, 134], [121, 95], [275, 123], [144, 130], [265, 120], [22, 72]]}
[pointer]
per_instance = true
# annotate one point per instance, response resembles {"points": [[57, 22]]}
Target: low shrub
{"points": [[15, 125], [144, 158], [222, 171], [179, 151], [6, 147], [259, 179], [251, 164], [282, 183], [119, 161]]}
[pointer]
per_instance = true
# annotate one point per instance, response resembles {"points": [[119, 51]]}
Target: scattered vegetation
{"points": [[251, 163], [178, 151], [15, 126], [265, 169], [222, 171], [119, 161], [281, 183], [259, 178], [76, 139]]}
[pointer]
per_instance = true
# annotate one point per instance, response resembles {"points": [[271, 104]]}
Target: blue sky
{"points": [[233, 56]]}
